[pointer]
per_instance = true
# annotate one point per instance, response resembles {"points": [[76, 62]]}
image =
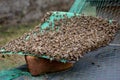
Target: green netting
{"points": [[12, 74], [78, 6]]}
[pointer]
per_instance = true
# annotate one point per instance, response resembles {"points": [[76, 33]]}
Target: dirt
{"points": [[11, 61]]}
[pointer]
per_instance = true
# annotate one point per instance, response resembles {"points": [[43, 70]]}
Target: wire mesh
{"points": [[109, 9]]}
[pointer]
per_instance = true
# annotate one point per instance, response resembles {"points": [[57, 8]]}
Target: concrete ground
{"points": [[102, 64]]}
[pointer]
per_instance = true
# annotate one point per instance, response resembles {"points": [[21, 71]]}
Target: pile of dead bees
{"points": [[70, 38]]}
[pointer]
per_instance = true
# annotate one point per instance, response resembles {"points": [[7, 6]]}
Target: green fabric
{"points": [[12, 74], [78, 6]]}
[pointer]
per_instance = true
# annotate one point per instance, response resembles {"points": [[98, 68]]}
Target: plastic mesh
{"points": [[78, 6], [105, 8], [12, 74]]}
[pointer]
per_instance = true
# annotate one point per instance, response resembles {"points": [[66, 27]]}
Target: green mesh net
{"points": [[11, 74], [78, 6], [87, 7]]}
